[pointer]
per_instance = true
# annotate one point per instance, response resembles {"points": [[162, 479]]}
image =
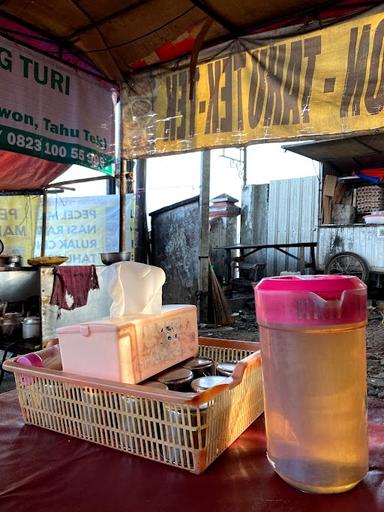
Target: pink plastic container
{"points": [[312, 332], [130, 348], [46, 358]]}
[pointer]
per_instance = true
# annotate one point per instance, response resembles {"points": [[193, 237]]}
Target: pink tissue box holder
{"points": [[132, 348]]}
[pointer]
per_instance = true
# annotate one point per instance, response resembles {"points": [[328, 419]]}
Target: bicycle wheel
{"points": [[348, 263]]}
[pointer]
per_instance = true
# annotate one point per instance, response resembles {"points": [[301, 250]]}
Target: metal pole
{"points": [[82, 180], [245, 166], [141, 238], [44, 224], [123, 202], [203, 281], [130, 179], [111, 187]]}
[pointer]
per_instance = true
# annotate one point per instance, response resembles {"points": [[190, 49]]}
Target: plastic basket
{"points": [[185, 430]]}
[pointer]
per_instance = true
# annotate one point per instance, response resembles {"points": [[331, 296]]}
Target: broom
{"points": [[221, 312]]}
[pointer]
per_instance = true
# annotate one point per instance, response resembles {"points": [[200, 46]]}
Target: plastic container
{"points": [[312, 332], [131, 348], [47, 358], [374, 219], [185, 430]]}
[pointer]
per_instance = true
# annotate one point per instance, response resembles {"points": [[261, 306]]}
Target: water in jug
{"points": [[312, 332]]}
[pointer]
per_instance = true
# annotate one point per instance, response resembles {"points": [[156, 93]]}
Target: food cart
{"points": [[350, 238]]}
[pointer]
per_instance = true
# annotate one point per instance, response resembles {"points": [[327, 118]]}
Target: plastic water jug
{"points": [[312, 332]]}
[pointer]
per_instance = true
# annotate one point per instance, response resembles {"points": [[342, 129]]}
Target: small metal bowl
{"points": [[204, 383], [177, 379], [114, 257], [200, 366]]}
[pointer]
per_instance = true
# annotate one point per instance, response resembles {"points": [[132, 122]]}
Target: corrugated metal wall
{"points": [[365, 240], [292, 217]]}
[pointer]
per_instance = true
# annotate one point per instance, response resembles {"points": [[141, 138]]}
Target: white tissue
{"points": [[134, 288]]}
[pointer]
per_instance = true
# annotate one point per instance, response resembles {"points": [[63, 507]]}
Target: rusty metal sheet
{"points": [[175, 248]]}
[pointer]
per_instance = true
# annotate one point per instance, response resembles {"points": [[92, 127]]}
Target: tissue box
{"points": [[131, 348]]}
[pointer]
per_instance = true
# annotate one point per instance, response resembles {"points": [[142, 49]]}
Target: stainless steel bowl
{"points": [[10, 260], [114, 257]]}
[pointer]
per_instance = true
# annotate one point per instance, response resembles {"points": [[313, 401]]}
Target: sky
{"points": [[174, 178]]}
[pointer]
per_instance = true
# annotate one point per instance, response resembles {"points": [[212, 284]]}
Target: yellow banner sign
{"points": [[18, 218], [327, 82]]}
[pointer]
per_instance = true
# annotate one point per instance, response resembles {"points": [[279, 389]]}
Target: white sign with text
{"points": [[53, 111], [83, 227]]}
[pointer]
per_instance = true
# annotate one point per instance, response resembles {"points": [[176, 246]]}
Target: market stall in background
{"points": [[351, 195], [297, 79]]}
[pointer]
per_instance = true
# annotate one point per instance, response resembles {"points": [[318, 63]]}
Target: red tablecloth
{"points": [[41, 471]]}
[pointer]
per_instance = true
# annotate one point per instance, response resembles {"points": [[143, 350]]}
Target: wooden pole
{"points": [[203, 281], [44, 223]]}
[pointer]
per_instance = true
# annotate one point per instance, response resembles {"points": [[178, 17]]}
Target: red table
{"points": [[42, 471]]}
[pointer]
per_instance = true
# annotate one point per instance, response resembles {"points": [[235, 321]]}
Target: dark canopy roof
{"points": [[113, 38], [344, 154], [121, 35]]}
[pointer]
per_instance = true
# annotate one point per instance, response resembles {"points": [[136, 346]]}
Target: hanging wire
{"points": [[236, 163], [27, 208]]}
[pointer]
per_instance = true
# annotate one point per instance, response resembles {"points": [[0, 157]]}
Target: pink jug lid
{"points": [[311, 300]]}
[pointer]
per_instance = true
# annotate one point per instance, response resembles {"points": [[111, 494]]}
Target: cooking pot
{"points": [[10, 260], [114, 257], [31, 327], [11, 325]]}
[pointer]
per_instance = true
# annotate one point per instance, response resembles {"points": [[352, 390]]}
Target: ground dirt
{"points": [[245, 328]]}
